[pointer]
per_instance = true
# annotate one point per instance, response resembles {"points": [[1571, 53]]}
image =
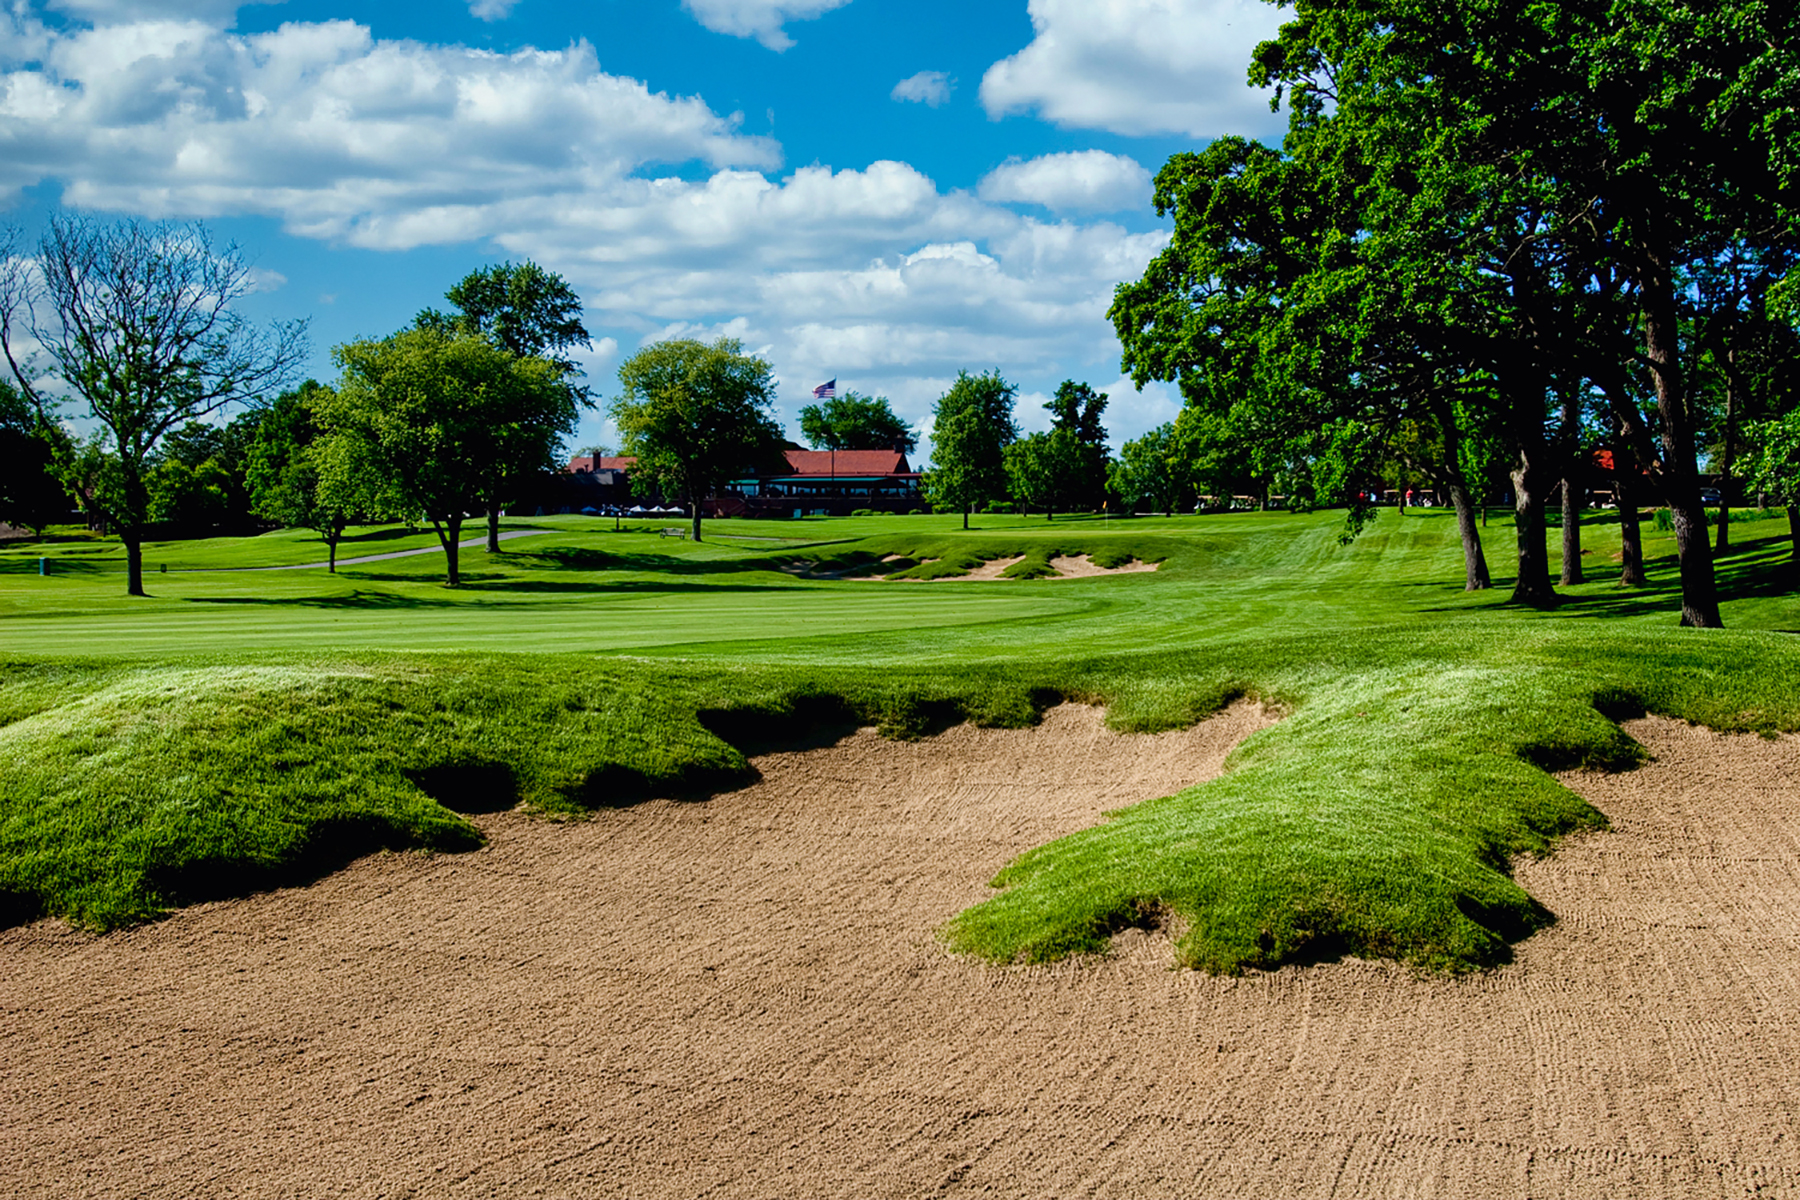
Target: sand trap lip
{"points": [[743, 997], [1066, 566]]}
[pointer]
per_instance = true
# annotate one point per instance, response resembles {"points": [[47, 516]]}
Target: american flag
{"points": [[826, 391]]}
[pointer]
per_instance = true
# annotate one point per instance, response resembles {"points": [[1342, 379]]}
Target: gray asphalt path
{"points": [[466, 544]]}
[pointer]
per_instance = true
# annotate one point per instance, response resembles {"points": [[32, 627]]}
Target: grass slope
{"points": [[1378, 818]]}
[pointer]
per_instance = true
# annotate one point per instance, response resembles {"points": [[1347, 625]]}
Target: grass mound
{"points": [[1377, 819]]}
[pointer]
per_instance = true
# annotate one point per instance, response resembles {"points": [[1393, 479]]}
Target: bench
{"points": [[680, 533]]}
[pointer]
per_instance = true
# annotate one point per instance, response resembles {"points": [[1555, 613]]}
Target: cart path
{"points": [[743, 997], [466, 544]]}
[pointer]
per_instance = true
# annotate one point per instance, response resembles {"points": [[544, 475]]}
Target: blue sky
{"points": [[880, 191]]}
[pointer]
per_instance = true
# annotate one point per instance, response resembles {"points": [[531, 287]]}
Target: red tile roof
{"points": [[847, 462], [587, 462]]}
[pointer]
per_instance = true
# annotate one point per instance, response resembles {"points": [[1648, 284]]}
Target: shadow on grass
{"points": [[1759, 569], [331, 845], [473, 787], [359, 600], [807, 721]]}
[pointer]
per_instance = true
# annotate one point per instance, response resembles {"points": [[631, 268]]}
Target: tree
{"points": [[525, 309], [1774, 462], [1050, 470], [972, 424], [136, 320], [531, 313], [1076, 409], [420, 410], [31, 493], [1150, 468], [200, 478], [299, 479], [694, 414], [856, 422]]}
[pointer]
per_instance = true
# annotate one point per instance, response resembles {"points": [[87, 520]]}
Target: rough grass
{"points": [[1377, 818]]}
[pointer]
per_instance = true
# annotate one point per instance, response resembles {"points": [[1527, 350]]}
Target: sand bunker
{"points": [[743, 997], [1078, 566], [1066, 566]]}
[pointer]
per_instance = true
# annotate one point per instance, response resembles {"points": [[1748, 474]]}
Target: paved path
{"points": [[466, 544]]}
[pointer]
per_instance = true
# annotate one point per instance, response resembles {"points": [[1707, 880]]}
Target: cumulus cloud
{"points": [[760, 19], [491, 10], [1085, 181], [1139, 67], [875, 275], [381, 143], [927, 87]]}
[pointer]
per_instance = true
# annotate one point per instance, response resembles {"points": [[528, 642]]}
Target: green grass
{"points": [[240, 728]]}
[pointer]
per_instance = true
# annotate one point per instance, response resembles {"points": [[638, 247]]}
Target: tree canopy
{"points": [[972, 425], [32, 494], [1479, 226], [695, 414], [856, 422], [525, 309], [438, 416]]}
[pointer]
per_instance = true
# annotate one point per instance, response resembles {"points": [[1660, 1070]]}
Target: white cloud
{"points": [[760, 19], [874, 274], [263, 280], [1086, 181], [1139, 67], [381, 143], [491, 10], [927, 87]]}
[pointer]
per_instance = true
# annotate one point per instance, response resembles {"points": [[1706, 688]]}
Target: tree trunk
{"points": [[1531, 481], [1735, 389], [134, 562], [1572, 488], [1631, 538], [1794, 534], [1475, 568], [1571, 535], [966, 509], [331, 541], [493, 524], [1450, 474], [449, 535], [694, 507], [1681, 479]]}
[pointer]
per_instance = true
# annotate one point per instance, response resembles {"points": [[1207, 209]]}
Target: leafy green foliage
{"points": [[523, 308], [972, 425], [300, 479], [1049, 471], [442, 419], [31, 491], [694, 414], [1152, 468], [856, 422]]}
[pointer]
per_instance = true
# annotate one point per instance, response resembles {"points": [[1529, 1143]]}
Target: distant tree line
{"points": [[137, 322]]}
